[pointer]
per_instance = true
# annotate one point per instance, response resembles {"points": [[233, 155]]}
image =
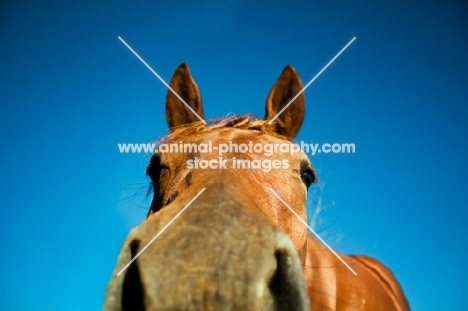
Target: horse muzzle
{"points": [[219, 254]]}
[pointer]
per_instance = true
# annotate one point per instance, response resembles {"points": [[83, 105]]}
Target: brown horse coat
{"points": [[236, 246]]}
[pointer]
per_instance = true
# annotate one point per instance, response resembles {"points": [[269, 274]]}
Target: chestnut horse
{"points": [[220, 239]]}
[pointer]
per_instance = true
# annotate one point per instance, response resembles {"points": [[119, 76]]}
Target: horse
{"points": [[227, 237]]}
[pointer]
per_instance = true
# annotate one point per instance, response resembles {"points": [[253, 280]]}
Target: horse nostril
{"points": [[134, 247], [277, 280], [287, 292], [132, 289]]}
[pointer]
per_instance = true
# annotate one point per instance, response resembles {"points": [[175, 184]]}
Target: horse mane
{"points": [[244, 122]]}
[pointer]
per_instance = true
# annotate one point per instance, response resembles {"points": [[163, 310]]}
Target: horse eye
{"points": [[308, 177], [154, 168]]}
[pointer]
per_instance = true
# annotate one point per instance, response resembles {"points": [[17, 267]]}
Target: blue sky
{"points": [[70, 91]]}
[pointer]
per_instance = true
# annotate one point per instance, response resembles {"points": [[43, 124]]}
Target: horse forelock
{"points": [[244, 122]]}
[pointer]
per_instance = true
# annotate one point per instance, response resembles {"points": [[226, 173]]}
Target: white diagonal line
{"points": [[313, 232], [161, 79], [160, 232], [313, 79]]}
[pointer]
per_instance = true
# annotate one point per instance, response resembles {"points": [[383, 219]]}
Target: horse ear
{"points": [[177, 113], [286, 88]]}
